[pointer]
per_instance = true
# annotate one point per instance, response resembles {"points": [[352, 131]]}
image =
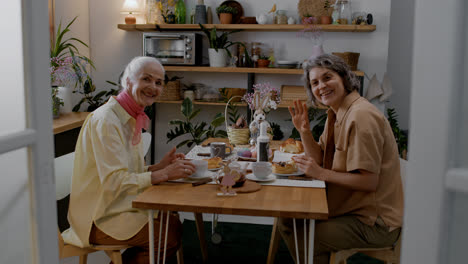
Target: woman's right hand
{"points": [[179, 169], [300, 116]]}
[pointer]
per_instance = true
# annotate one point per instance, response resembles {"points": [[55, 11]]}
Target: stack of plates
{"points": [[287, 64]]}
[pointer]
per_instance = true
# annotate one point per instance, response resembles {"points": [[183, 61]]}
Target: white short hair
{"points": [[134, 67]]}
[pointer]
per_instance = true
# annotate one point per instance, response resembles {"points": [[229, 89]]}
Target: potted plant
{"points": [[197, 132], [218, 52], [326, 19], [94, 100], [263, 62], [225, 13], [68, 69], [308, 19]]}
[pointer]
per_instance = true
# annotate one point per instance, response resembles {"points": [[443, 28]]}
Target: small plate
{"points": [[252, 177], [297, 173]]}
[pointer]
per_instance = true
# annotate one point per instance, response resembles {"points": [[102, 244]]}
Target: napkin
{"points": [[387, 88], [374, 90]]}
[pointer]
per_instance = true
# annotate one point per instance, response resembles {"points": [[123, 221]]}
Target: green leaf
{"points": [[194, 114], [186, 107], [218, 121], [176, 122], [99, 95]]}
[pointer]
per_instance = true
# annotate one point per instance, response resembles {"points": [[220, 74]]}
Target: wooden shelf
{"points": [[282, 105], [239, 70], [247, 27], [69, 121]]}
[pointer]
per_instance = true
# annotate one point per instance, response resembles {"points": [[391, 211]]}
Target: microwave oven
{"points": [[174, 48]]}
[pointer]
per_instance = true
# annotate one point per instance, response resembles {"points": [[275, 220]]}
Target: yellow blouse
{"points": [[109, 173]]}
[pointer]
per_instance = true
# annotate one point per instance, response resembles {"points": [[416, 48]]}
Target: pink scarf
{"points": [[136, 111]]}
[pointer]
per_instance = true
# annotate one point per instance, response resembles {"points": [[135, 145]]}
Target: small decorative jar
{"points": [[281, 17], [189, 94]]}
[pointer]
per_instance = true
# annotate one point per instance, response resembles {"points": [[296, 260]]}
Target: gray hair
{"points": [[135, 66], [334, 63]]}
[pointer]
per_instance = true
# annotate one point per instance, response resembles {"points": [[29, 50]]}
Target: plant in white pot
{"points": [[218, 52], [68, 69]]}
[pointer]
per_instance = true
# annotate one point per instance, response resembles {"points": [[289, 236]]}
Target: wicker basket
{"points": [[237, 136], [171, 91], [351, 58]]}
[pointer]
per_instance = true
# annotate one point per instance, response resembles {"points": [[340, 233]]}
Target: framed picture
{"points": [[52, 21]]}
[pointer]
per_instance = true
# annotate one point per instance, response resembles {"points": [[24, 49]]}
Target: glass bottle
{"points": [[256, 52], [241, 56], [344, 7], [192, 15], [180, 12]]}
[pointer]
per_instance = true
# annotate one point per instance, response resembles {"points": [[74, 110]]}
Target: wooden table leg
{"points": [[201, 235], [274, 242]]}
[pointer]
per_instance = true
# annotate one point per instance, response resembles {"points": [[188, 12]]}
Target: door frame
{"points": [[37, 137]]}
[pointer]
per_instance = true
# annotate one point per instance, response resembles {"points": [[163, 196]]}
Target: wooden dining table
{"points": [[272, 201]]}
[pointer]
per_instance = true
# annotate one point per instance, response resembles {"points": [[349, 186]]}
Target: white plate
{"points": [[297, 173], [215, 169], [252, 177]]}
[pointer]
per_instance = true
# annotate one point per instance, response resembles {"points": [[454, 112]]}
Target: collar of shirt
{"points": [[123, 116], [344, 107]]}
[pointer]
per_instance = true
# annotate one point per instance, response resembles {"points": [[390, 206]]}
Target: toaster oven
{"points": [[174, 48]]}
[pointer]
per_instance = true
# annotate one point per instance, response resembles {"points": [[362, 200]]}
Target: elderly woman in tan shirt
{"points": [[356, 156], [109, 170]]}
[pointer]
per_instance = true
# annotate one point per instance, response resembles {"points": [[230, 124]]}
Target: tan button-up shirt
{"points": [[108, 174], [364, 141]]}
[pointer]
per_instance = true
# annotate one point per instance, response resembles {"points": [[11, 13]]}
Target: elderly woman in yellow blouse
{"points": [[109, 170], [356, 156]]}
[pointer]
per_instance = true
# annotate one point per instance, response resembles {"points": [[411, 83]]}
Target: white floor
{"points": [[101, 257]]}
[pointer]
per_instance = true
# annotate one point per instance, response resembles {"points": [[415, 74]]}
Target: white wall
{"points": [[399, 62], [112, 49], [15, 224]]}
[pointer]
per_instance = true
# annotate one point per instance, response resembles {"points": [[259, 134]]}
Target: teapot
{"points": [[262, 18]]}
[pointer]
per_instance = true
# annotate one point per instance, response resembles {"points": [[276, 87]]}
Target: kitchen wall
{"points": [[400, 52], [111, 49]]}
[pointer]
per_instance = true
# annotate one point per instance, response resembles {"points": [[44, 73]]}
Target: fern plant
{"points": [[233, 113], [400, 136]]}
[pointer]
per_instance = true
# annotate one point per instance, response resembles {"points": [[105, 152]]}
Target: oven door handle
{"points": [[165, 37]]}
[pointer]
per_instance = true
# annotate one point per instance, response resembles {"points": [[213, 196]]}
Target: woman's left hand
{"points": [[169, 158], [309, 167]]}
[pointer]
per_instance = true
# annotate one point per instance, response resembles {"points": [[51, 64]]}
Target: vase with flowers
{"points": [[314, 33], [68, 69]]}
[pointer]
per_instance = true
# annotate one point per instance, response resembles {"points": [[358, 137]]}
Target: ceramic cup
{"points": [[218, 149], [201, 168], [261, 169]]}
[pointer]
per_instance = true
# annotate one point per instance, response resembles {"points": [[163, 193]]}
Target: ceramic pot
{"points": [[316, 51], [325, 20], [262, 63], [65, 93], [225, 18], [217, 58]]}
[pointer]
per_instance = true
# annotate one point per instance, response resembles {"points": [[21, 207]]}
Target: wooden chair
{"points": [[63, 169], [387, 254]]}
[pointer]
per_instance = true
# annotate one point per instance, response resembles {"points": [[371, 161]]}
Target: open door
{"points": [[436, 202], [28, 224]]}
